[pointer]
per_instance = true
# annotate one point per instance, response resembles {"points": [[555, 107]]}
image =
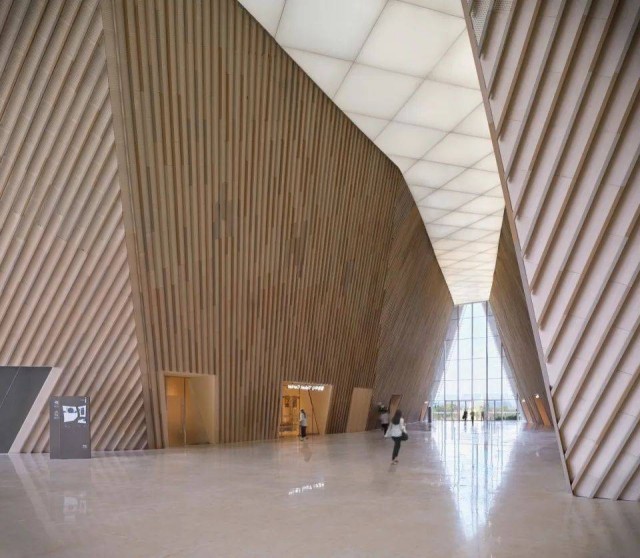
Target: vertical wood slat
{"points": [[263, 220], [65, 292]]}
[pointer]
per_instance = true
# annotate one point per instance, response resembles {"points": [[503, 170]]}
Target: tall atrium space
{"points": [[324, 278]]}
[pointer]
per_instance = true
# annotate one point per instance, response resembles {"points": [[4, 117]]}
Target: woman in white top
{"points": [[303, 425], [398, 432]]}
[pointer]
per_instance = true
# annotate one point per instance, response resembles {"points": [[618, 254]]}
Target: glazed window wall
{"points": [[475, 373]]}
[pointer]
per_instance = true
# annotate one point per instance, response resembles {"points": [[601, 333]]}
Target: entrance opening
{"points": [[315, 399], [191, 416], [476, 379]]}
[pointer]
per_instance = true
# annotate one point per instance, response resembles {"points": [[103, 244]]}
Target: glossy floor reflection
{"points": [[480, 490], [475, 458]]}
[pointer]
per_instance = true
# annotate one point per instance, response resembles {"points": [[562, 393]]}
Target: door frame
{"points": [[298, 382], [163, 403]]}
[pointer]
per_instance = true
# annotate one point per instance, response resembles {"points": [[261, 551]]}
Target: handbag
{"points": [[404, 437]]}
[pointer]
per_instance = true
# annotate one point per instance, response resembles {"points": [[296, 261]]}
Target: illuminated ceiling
{"points": [[404, 73]]}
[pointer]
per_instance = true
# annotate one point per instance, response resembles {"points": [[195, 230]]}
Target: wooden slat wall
{"points": [[512, 316], [415, 316], [65, 294], [567, 136], [261, 217]]}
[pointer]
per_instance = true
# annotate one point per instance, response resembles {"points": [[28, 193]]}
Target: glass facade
{"points": [[475, 373]]}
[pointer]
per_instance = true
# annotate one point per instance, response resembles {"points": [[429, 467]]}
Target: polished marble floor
{"points": [[482, 490]]}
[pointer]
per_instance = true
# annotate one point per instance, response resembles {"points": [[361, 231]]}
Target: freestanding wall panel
{"points": [[561, 82]]}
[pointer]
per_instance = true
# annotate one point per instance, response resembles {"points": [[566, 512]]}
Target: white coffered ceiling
{"points": [[403, 71]]}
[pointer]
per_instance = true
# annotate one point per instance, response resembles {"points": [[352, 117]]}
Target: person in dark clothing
{"points": [[397, 431], [464, 416]]}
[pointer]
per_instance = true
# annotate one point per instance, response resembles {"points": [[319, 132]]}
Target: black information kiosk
{"points": [[69, 427]]}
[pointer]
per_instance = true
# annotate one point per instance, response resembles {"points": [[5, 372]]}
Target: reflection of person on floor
{"points": [[398, 432], [384, 420], [303, 425], [306, 452], [473, 415], [464, 416]]}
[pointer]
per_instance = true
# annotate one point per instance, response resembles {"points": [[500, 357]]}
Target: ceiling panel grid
{"points": [[403, 71]]}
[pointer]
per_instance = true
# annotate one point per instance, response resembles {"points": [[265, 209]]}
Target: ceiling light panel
{"points": [[434, 175], [444, 6], [439, 105], [441, 199], [409, 39], [429, 214], [407, 140], [495, 192], [375, 92], [420, 192], [267, 12], [492, 223], [459, 219], [457, 65], [469, 235], [475, 124], [403, 71], [403, 163], [368, 124], [457, 255], [473, 181], [439, 231], [483, 205], [335, 28], [448, 244], [463, 151], [488, 163], [326, 71]]}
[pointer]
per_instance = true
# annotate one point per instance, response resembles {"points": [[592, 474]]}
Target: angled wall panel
{"points": [[512, 316], [19, 389], [415, 316], [65, 293], [261, 217], [561, 82]]}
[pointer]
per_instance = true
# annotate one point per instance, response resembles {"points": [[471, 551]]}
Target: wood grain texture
{"points": [[567, 144], [65, 294], [514, 326], [415, 316], [261, 218]]}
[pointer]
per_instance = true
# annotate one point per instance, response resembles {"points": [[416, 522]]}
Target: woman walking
{"points": [[398, 432]]}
